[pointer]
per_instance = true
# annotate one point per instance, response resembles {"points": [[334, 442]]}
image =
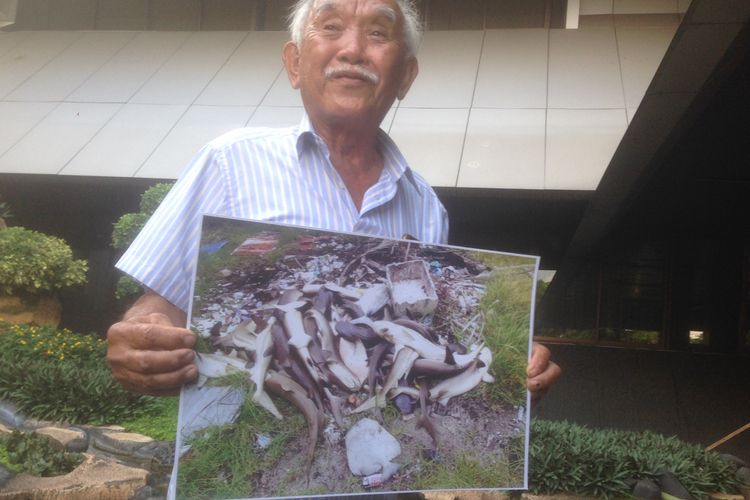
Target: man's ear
{"points": [[411, 69], [290, 56]]}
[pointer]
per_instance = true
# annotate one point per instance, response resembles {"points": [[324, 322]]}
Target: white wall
{"points": [[521, 109]]}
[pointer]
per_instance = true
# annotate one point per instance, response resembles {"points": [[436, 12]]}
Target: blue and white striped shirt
{"points": [[276, 175]]}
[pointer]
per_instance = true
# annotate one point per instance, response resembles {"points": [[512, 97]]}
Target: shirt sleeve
{"points": [[163, 255]]}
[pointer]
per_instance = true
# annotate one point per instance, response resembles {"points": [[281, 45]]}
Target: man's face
{"points": [[352, 62]]}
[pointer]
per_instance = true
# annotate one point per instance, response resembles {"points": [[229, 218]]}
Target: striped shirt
{"points": [[282, 176]]}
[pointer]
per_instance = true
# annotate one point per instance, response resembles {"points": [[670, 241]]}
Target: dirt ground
{"points": [[469, 427]]}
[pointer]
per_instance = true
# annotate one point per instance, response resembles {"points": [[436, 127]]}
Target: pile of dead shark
{"points": [[341, 329]]}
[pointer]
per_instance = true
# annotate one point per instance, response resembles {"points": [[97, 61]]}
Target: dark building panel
{"points": [[517, 14], [33, 15], [276, 12], [228, 15], [122, 15], [72, 15], [531, 222], [444, 15], [697, 397], [175, 15]]}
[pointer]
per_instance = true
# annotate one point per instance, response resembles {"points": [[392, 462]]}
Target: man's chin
{"points": [[350, 112]]}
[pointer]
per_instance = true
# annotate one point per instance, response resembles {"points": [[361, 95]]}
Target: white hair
{"points": [[299, 15]]}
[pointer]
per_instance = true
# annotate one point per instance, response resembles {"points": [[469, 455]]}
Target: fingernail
{"points": [[188, 357], [191, 373], [189, 340]]}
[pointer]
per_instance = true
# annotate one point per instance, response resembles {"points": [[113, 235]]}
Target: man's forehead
{"points": [[378, 7]]}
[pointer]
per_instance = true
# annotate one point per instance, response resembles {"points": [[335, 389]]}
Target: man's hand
{"points": [[147, 353], [541, 372]]}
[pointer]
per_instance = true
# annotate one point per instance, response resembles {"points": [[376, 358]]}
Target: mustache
{"points": [[349, 69]]}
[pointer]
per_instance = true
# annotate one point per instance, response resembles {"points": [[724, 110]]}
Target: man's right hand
{"points": [[147, 353]]}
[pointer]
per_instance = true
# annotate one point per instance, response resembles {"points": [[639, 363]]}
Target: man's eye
{"points": [[330, 27]]}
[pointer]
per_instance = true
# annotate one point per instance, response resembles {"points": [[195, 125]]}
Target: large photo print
{"points": [[334, 363]]}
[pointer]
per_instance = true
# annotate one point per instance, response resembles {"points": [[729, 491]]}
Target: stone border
{"points": [[117, 464]]}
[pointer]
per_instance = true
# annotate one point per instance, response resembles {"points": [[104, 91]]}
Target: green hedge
{"points": [[127, 228], [33, 262], [604, 463], [63, 376]]}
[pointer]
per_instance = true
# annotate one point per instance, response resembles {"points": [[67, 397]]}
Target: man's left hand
{"points": [[541, 372]]}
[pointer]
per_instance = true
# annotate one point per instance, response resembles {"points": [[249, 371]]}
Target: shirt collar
{"points": [[394, 163]]}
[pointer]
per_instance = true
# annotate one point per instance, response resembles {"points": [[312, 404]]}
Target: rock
{"points": [[743, 475], [370, 449], [9, 415], [72, 439], [671, 485], [117, 442], [145, 493], [5, 476], [646, 489], [157, 455], [733, 460], [97, 477]]}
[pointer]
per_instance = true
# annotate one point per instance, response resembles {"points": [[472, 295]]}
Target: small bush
{"points": [[60, 375], [569, 458], [33, 262], [37, 455], [127, 228]]}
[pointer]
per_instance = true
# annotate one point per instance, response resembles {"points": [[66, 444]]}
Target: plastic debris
{"points": [[370, 449], [373, 481], [263, 441]]}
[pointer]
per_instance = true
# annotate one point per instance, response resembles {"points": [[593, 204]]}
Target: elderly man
{"points": [[350, 59]]}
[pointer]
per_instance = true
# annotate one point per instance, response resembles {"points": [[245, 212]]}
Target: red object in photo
{"points": [[260, 244]]}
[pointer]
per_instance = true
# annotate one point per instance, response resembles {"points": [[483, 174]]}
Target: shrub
{"points": [[37, 455], [33, 262], [129, 225], [569, 458], [60, 375], [4, 213]]}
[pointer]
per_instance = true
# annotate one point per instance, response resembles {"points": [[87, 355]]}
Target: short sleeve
{"points": [[163, 255]]}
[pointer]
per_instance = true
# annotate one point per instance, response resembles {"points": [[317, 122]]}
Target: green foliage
{"points": [[467, 472], [159, 422], [33, 262], [507, 307], [127, 228], [59, 375], [224, 461], [5, 212], [541, 289], [153, 196], [129, 225], [5, 459], [127, 287], [569, 458], [37, 455]]}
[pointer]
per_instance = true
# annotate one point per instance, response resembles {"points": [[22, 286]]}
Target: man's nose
{"points": [[352, 48]]}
